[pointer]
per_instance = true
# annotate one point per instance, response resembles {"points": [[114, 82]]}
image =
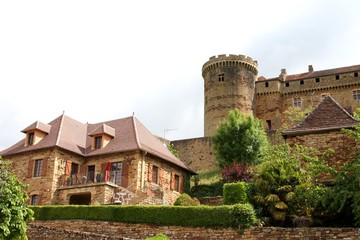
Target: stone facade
{"points": [[80, 229]]}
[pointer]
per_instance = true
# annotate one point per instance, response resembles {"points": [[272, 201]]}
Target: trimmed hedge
{"points": [[185, 200], [235, 193], [242, 215]]}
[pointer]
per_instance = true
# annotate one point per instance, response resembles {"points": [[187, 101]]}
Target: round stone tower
{"points": [[229, 82]]}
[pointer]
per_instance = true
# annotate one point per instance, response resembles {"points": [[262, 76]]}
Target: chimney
{"points": [[283, 74], [311, 69]]}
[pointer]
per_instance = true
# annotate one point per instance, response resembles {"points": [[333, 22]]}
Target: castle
{"points": [[231, 81]]}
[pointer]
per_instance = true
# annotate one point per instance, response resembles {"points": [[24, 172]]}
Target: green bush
{"points": [[158, 236], [235, 193], [207, 190], [185, 200], [197, 216]]}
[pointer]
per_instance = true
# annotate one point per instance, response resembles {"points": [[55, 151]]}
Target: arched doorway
{"points": [[80, 199]]}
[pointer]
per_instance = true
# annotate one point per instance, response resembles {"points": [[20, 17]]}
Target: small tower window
{"points": [[98, 141], [35, 200], [301, 82], [287, 84], [266, 84], [317, 80], [337, 76], [268, 124], [297, 102], [30, 138], [356, 94], [356, 74], [221, 77]]}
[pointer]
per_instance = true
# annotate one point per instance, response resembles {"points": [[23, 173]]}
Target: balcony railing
{"points": [[79, 179]]}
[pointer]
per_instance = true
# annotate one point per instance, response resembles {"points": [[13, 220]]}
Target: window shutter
{"points": [[172, 183], [30, 169], [83, 170], [181, 184], [68, 168], [150, 172], [40, 199], [125, 173], [161, 177], [44, 164]]}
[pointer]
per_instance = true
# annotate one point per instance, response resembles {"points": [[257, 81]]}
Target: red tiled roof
{"points": [[320, 73], [327, 115], [39, 126], [129, 134]]}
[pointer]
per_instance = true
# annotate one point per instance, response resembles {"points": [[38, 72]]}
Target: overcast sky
{"points": [[104, 60]]}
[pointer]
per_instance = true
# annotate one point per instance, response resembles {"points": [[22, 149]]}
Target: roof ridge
{"points": [[60, 128], [136, 132]]}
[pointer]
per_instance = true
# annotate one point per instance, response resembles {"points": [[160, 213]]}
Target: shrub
{"points": [[236, 172], [158, 236], [235, 193], [196, 216], [207, 190], [185, 200]]}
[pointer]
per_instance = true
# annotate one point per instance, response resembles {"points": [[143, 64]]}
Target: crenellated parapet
{"points": [[230, 60]]}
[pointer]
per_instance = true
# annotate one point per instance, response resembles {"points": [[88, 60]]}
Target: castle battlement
{"points": [[230, 60]]}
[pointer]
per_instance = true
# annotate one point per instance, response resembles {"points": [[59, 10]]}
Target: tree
{"points": [[172, 149], [294, 115], [14, 213], [239, 138]]}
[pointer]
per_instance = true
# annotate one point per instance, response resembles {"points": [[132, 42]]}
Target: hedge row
{"points": [[235, 193], [240, 215]]}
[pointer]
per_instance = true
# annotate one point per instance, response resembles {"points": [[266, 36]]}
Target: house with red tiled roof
{"points": [[322, 129], [118, 161]]}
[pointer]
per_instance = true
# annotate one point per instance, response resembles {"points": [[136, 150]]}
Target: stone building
{"points": [[231, 81], [118, 161]]}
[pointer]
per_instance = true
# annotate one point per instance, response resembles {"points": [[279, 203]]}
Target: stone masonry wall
{"points": [[80, 229], [343, 145], [197, 153]]}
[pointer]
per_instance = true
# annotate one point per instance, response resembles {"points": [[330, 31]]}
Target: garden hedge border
{"points": [[240, 215]]}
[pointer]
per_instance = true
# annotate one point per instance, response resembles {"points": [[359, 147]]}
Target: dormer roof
{"points": [[327, 115], [103, 129], [38, 126]]}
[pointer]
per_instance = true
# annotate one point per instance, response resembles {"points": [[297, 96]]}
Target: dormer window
{"points": [[35, 133], [30, 138], [101, 136], [98, 142]]}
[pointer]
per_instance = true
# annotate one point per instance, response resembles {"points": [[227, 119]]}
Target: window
{"points": [[287, 84], [317, 80], [155, 174], [297, 102], [221, 77], [91, 173], [35, 200], [337, 77], [115, 172], [268, 124], [30, 138], [356, 74], [98, 141], [356, 94], [267, 84], [301, 82], [177, 183], [74, 168], [38, 168]]}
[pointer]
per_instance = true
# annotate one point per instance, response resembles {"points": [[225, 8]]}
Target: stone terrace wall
{"points": [[80, 229]]}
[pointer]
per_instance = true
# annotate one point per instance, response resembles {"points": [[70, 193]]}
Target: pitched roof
{"points": [[129, 134], [327, 115], [38, 126], [314, 74]]}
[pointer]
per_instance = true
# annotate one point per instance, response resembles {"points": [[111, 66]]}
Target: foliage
{"points": [[294, 115], [13, 211], [283, 177], [158, 236], [207, 177], [197, 216], [236, 172], [172, 149], [235, 193], [207, 190], [185, 200], [357, 114], [239, 138]]}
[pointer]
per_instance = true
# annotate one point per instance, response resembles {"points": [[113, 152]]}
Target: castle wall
{"points": [[197, 153]]}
